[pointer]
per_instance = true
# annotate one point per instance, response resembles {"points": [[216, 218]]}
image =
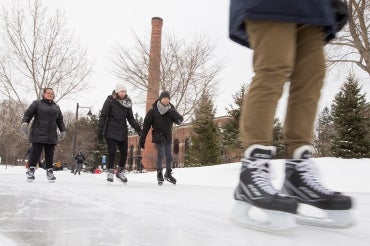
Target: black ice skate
{"points": [[30, 174], [301, 182], [168, 176], [50, 175], [255, 189], [110, 176], [160, 177], [121, 175]]}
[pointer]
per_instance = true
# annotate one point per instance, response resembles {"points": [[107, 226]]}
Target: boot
{"points": [[160, 177], [50, 174], [121, 175], [168, 176], [31, 174]]}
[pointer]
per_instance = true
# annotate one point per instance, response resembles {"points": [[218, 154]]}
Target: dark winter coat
{"points": [[80, 158], [113, 119], [46, 118], [312, 12], [161, 124]]}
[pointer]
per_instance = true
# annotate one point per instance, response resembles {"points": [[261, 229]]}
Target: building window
{"points": [[176, 147]]}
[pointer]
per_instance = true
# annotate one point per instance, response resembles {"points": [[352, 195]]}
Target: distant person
{"points": [[116, 112], [161, 118], [288, 39], [47, 118], [80, 159]]}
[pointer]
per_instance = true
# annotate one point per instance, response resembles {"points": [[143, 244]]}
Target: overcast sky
{"points": [[101, 25]]}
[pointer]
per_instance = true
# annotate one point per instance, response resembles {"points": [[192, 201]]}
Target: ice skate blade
{"points": [[160, 182], [30, 180], [274, 221], [174, 183], [335, 219], [51, 181]]}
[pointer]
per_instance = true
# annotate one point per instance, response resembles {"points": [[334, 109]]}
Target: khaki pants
{"points": [[283, 52]]}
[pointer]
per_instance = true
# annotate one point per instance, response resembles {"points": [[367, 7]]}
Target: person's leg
{"points": [[160, 152], [111, 144], [122, 146], [304, 92], [167, 149], [35, 154], [273, 45], [49, 155]]}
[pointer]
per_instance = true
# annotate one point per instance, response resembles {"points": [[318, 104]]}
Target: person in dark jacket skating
{"points": [[47, 118], [161, 118], [79, 158], [116, 112], [287, 38]]}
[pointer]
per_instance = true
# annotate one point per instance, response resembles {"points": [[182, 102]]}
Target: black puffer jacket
{"points": [[47, 117], [113, 119], [161, 124]]}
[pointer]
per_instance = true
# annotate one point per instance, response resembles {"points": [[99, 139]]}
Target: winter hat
{"points": [[119, 87], [164, 94]]}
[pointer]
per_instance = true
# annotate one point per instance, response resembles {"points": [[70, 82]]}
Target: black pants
{"points": [[112, 146], [36, 153]]}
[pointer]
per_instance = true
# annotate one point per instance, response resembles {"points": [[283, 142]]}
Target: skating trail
{"points": [[84, 210]]}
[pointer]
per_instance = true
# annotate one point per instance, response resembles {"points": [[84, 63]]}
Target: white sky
{"points": [[100, 25], [85, 211]]}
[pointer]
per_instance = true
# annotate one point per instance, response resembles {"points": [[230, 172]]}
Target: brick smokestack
{"points": [[149, 153]]}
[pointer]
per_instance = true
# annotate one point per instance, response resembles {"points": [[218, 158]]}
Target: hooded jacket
{"points": [[46, 118], [311, 12], [114, 116], [161, 124]]}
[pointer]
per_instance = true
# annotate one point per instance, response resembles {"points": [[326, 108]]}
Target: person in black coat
{"points": [[79, 158], [288, 39], [116, 112], [161, 118], [47, 118]]}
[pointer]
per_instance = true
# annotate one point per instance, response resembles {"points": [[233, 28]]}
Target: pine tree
{"points": [[324, 134], [205, 144], [230, 135], [350, 116]]}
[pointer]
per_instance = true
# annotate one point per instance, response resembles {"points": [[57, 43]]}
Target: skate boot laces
{"points": [[262, 176], [309, 177]]}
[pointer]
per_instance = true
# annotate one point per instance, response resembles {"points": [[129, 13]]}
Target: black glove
{"points": [[142, 143]]}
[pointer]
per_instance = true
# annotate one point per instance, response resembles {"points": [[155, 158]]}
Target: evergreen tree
{"points": [[278, 139], [230, 135], [205, 144], [350, 116], [324, 134]]}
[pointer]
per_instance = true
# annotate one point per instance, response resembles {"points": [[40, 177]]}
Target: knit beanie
{"points": [[164, 94], [119, 87]]}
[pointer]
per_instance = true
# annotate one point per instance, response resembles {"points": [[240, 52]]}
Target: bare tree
{"points": [[12, 144], [352, 45], [187, 69], [39, 51]]}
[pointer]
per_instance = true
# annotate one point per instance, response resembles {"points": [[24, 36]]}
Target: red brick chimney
{"points": [[149, 153]]}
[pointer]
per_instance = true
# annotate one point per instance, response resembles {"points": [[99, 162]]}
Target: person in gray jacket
{"points": [[47, 118], [288, 39]]}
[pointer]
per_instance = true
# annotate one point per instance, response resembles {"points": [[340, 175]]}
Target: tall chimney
{"points": [[149, 154]]}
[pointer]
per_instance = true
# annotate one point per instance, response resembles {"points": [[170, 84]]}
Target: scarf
{"points": [[163, 108]]}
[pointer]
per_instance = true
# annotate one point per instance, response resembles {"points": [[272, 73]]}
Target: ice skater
{"points": [[287, 38], [161, 118], [47, 118], [80, 158]]}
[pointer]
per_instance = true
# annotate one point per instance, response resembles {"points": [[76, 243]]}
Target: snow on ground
{"points": [[84, 210]]}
